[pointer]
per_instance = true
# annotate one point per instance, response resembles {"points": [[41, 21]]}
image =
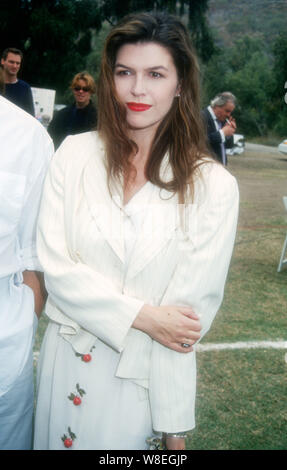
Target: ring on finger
{"points": [[185, 345]]}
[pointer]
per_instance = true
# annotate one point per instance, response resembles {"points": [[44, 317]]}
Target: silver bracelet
{"points": [[181, 435]]}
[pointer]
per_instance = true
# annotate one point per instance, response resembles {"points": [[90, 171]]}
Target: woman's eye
{"points": [[156, 75], [123, 72]]}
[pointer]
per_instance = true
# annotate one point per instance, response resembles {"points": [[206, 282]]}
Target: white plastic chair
{"points": [[283, 259]]}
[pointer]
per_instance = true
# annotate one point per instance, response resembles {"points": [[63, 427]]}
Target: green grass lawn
{"points": [[242, 394], [241, 401]]}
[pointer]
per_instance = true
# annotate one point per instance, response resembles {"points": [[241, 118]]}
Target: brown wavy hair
{"points": [[180, 134]]}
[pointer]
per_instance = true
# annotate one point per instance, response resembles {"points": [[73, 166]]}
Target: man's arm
{"points": [[35, 280]]}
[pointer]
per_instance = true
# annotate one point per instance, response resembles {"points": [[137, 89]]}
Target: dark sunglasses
{"points": [[79, 88]]}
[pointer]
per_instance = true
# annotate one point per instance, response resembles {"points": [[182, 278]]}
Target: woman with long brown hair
{"points": [[135, 236]]}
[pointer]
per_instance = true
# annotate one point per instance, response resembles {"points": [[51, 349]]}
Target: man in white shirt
{"points": [[25, 151], [220, 126]]}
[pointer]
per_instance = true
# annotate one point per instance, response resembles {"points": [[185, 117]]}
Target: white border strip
{"points": [[242, 345], [226, 346]]}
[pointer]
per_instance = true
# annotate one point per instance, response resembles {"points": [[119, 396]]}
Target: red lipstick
{"points": [[138, 106]]}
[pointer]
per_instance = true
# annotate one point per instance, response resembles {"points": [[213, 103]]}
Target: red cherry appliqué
{"points": [[77, 401], [77, 396], [68, 442], [86, 357]]}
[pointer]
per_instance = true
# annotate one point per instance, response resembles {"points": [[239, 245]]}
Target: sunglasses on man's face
{"points": [[79, 88]]}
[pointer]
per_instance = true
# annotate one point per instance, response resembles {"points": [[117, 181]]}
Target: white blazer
{"points": [[94, 296]]}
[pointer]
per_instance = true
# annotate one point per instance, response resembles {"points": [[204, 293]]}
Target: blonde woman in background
{"points": [[81, 116]]}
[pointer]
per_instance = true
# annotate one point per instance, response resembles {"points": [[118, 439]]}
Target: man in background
{"points": [[220, 126], [16, 90]]}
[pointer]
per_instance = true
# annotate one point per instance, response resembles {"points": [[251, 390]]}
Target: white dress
{"points": [[25, 148], [102, 263], [114, 413]]}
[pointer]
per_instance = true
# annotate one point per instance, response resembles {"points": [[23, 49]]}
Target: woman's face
{"points": [[82, 93], [146, 82]]}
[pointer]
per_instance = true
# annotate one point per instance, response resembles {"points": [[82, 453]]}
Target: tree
{"points": [[245, 70], [252, 85], [279, 97], [56, 35], [200, 33], [194, 10]]}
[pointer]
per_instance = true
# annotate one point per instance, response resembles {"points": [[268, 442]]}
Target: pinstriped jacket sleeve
{"points": [[77, 290], [197, 282]]}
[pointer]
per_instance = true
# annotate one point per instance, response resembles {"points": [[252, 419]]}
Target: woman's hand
{"points": [[171, 326]]}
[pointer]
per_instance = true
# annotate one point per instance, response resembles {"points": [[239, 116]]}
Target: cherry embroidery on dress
{"points": [[68, 440], [85, 357], [76, 397]]}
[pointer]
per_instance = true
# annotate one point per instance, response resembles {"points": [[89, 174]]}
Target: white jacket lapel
{"points": [[160, 225], [105, 208]]}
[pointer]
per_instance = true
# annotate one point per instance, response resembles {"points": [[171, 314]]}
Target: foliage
{"points": [[280, 75], [239, 51], [93, 59], [246, 70], [231, 19], [250, 61], [56, 35], [252, 82], [200, 32]]}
